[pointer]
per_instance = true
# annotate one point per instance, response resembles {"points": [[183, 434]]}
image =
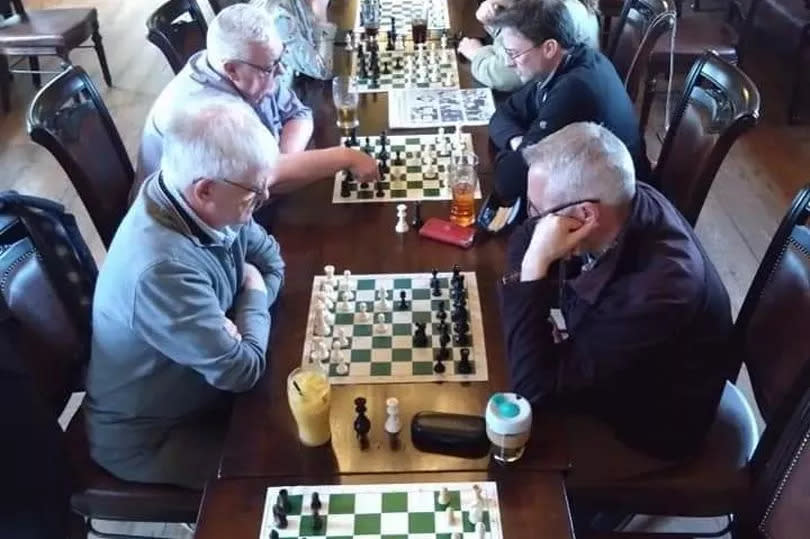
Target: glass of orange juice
{"points": [[308, 393], [463, 181]]}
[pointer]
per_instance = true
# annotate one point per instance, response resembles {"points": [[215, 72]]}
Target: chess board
{"points": [[403, 12], [391, 357], [402, 511], [414, 186], [398, 78]]}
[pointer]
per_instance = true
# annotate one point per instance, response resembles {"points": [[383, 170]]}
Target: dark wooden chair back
{"points": [[641, 24], [219, 5], [178, 37], [718, 105], [69, 118]]}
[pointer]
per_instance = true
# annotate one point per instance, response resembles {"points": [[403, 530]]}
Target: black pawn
{"points": [[398, 161], [345, 189], [386, 70], [284, 500], [442, 314], [353, 140], [369, 149], [362, 425], [416, 221], [456, 273], [379, 193], [403, 305], [464, 365], [419, 336], [437, 291], [316, 502], [439, 367]]}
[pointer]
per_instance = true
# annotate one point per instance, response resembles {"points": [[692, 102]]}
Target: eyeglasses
{"points": [[560, 207], [261, 194], [271, 71], [515, 55]]}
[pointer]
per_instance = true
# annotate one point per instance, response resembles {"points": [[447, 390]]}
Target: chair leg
{"points": [[646, 104], [798, 74], [33, 61], [102, 57], [5, 84]]}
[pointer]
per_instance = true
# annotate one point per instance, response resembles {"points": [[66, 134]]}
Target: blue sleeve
{"points": [[263, 251], [290, 107]]}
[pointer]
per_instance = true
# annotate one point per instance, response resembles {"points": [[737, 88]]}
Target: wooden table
{"points": [[533, 506], [262, 448]]}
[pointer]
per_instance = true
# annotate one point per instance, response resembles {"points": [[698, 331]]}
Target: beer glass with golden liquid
{"points": [[463, 181], [344, 94]]}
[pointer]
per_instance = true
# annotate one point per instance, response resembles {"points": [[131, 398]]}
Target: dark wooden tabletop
{"points": [[533, 505], [313, 232]]}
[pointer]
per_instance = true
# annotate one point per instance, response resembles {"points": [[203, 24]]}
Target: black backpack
{"points": [[64, 255]]}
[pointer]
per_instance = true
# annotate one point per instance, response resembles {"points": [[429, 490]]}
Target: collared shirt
{"points": [[648, 333], [198, 81], [225, 236]]}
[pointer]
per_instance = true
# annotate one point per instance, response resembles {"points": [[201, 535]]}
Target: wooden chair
{"points": [[695, 33], [786, 23], [641, 24], [45, 32], [52, 330], [219, 5], [69, 118], [719, 104], [177, 39], [767, 492]]}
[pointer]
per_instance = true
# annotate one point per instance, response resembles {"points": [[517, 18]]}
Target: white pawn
{"points": [[480, 530], [342, 367], [344, 305], [317, 350], [392, 423], [380, 327], [329, 271], [337, 355], [382, 294], [341, 337], [402, 225], [349, 41], [347, 279], [476, 515], [451, 515], [362, 315], [444, 496]]}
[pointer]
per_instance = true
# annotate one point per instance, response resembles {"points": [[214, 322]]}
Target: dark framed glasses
{"points": [[531, 221], [270, 71]]}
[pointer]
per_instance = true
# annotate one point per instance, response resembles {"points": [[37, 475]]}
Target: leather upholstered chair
{"points": [[52, 329], [719, 104], [69, 118], [219, 5], [45, 32], [768, 492], [639, 27], [177, 39], [695, 33]]}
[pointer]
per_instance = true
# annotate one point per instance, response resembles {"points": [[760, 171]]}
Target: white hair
{"points": [[580, 161], [235, 30], [219, 138]]}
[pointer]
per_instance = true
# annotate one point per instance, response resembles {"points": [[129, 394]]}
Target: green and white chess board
{"points": [[395, 511], [424, 73], [390, 357], [403, 13], [406, 182]]}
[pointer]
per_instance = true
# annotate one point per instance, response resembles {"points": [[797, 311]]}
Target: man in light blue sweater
{"points": [[180, 313]]}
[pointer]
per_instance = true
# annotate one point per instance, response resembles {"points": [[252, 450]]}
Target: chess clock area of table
{"points": [[402, 11], [406, 176], [401, 511], [381, 343]]}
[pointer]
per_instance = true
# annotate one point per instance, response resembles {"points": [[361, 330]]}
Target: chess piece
{"points": [[402, 225], [274, 534], [347, 279], [329, 271], [382, 304], [362, 425], [450, 514], [321, 328], [443, 41], [416, 222], [284, 500], [318, 351], [336, 356], [393, 424], [442, 314], [342, 368], [315, 504], [362, 315], [464, 365], [444, 497], [279, 516], [381, 327], [340, 335], [344, 305], [480, 530], [420, 336], [439, 367], [323, 298], [349, 41], [403, 304], [328, 317]]}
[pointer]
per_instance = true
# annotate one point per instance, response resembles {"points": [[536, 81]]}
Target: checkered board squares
{"points": [[415, 186], [403, 12], [396, 511], [399, 79], [390, 357]]}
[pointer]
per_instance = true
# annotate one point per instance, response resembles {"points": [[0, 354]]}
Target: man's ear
{"points": [[203, 189], [230, 70], [589, 212], [550, 48]]}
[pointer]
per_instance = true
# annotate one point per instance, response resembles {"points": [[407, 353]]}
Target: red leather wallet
{"points": [[447, 232]]}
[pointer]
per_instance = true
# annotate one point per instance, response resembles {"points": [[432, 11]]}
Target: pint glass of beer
{"points": [[346, 98], [463, 181], [419, 22]]}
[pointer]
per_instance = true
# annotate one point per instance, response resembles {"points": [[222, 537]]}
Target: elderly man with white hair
{"points": [[639, 342], [181, 308], [243, 61]]}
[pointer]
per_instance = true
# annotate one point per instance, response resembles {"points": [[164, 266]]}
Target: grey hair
{"points": [[583, 160], [235, 30], [218, 138]]}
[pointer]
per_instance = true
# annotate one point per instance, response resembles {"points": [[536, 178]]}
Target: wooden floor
{"points": [[746, 202]]}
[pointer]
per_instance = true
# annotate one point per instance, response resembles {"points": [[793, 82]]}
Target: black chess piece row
{"points": [[282, 508]]}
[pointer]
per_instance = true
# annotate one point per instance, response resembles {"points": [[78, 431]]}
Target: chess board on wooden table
{"points": [[408, 178], [402, 511], [403, 13], [380, 342]]}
